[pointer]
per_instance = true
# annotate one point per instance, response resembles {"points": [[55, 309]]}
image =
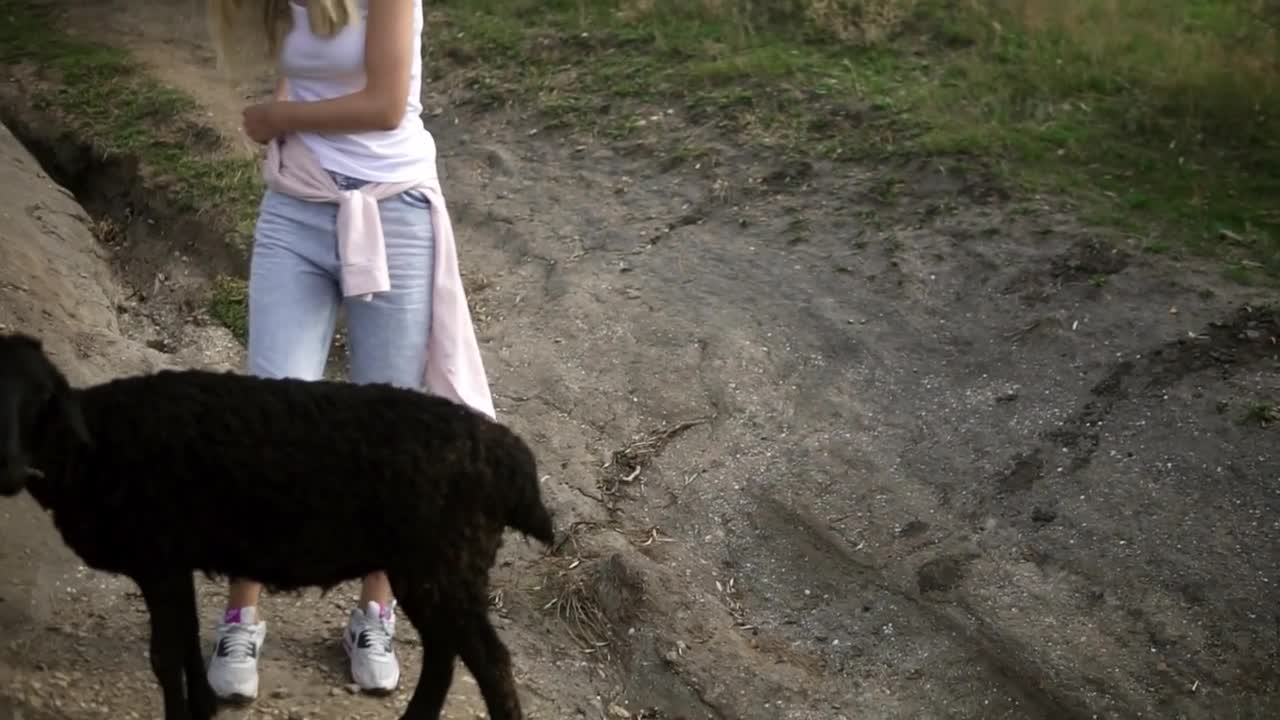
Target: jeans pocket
{"points": [[415, 199]]}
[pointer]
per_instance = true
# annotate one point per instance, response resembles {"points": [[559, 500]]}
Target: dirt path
{"points": [[941, 456]]}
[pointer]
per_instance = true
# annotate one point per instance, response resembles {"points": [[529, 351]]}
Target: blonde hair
{"points": [[241, 35]]}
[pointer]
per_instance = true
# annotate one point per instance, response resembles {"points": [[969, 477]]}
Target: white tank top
{"points": [[319, 68]]}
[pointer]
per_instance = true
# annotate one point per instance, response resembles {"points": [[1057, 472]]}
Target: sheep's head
{"points": [[34, 397]]}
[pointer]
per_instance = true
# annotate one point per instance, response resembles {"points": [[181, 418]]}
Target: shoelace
{"points": [[375, 639], [237, 643]]}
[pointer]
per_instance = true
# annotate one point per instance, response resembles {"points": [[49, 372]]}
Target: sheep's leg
{"points": [[164, 599], [489, 662], [438, 652], [429, 696], [201, 700]]}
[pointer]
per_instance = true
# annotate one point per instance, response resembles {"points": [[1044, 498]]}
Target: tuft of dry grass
{"points": [[107, 231], [863, 22], [595, 602], [576, 606], [866, 22]]}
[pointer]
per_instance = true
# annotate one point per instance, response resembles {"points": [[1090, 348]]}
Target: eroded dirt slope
{"points": [[55, 283], [930, 458]]}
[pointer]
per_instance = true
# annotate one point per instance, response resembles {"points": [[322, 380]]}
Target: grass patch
{"points": [[1164, 113], [1261, 413], [1162, 117], [619, 69], [103, 96], [230, 305], [107, 100]]}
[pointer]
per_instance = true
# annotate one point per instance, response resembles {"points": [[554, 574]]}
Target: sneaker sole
{"points": [[375, 692], [378, 692]]}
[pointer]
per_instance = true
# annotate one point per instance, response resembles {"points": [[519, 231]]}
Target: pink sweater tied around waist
{"points": [[454, 366]]}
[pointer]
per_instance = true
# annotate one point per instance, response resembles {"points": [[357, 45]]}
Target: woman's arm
{"points": [[379, 106]]}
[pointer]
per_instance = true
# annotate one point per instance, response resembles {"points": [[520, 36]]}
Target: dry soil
{"points": [[818, 454]]}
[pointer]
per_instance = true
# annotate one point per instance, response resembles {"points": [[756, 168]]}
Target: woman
{"points": [[353, 215]]}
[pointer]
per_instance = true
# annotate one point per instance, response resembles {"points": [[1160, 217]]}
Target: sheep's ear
{"points": [[69, 407]]}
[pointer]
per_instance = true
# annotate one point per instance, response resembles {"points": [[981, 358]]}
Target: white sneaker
{"points": [[368, 640], [233, 668]]}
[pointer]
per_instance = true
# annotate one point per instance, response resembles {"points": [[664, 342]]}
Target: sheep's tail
{"points": [[528, 515], [526, 512]]}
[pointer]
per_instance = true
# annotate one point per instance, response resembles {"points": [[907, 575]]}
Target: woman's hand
{"points": [[262, 122]]}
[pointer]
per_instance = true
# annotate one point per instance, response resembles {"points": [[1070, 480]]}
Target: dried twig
{"points": [[571, 537], [651, 536], [729, 594], [630, 461]]}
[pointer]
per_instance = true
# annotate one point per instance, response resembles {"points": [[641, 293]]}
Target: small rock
{"points": [[353, 688], [942, 574], [913, 529], [280, 693], [1043, 515], [618, 711]]}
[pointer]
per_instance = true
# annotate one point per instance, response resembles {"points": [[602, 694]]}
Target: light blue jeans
{"points": [[295, 292]]}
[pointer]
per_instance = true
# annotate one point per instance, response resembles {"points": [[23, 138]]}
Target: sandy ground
{"points": [[896, 459]]}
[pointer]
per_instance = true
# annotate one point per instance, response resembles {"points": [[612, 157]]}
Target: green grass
{"points": [[1261, 413], [1161, 117], [584, 67], [101, 94], [230, 305], [1164, 113]]}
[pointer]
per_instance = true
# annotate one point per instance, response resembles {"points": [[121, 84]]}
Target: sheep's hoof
{"points": [[205, 707]]}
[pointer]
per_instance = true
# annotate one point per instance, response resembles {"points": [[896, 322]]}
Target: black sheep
{"points": [[137, 471]]}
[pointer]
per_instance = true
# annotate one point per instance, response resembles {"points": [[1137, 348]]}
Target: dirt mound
{"points": [[56, 278]]}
